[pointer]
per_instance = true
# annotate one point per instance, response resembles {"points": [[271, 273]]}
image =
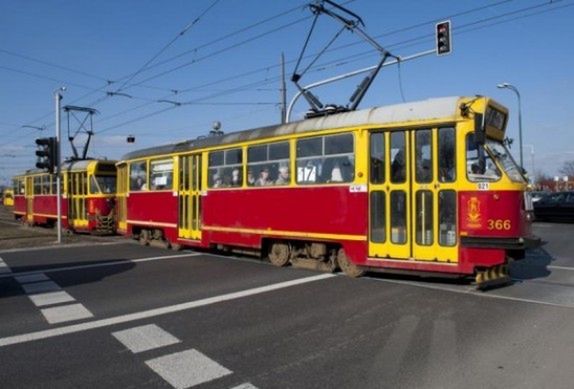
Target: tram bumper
{"points": [[522, 243], [493, 277]]}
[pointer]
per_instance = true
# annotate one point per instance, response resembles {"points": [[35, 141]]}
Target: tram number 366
{"points": [[499, 224]]}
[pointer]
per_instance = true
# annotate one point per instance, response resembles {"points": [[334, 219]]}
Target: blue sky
{"points": [[228, 66]]}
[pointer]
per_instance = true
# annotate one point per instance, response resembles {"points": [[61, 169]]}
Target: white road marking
{"points": [[472, 291], [31, 278], [64, 313], [560, 267], [70, 329], [41, 287], [62, 247], [187, 368], [247, 385], [51, 298], [144, 338], [103, 264]]}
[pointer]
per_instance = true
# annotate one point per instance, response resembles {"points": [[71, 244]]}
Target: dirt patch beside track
{"points": [[15, 234]]}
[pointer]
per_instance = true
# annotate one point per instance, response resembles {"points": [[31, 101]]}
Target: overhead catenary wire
{"points": [[188, 27], [426, 36], [419, 38]]}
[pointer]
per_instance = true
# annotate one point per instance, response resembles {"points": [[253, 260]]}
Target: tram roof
{"points": [[435, 108], [70, 166]]}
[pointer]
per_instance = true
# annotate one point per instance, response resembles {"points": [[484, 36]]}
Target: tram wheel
{"points": [[175, 246], [348, 267], [144, 237], [279, 254]]}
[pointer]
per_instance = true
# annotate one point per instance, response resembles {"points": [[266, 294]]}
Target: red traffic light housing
{"points": [[443, 38], [47, 154]]}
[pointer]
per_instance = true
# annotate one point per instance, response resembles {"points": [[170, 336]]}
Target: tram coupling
{"points": [[493, 277]]}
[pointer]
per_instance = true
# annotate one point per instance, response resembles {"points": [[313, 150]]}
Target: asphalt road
{"points": [[122, 315]]}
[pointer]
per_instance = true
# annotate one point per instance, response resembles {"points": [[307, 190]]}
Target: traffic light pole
{"points": [[58, 98]]}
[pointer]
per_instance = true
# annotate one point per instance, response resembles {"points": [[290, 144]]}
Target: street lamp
{"points": [[57, 98], [506, 85]]}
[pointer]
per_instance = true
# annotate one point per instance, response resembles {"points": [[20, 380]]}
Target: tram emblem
{"points": [[473, 216]]}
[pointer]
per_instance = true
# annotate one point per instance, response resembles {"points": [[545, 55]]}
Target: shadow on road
{"points": [[534, 266], [86, 272]]}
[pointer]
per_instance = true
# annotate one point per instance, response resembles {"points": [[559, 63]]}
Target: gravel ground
{"points": [[14, 234]]}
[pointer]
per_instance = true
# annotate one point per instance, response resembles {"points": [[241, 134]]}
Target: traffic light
{"points": [[47, 154], [443, 41]]}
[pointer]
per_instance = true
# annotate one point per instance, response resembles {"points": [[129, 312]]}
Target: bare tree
{"points": [[567, 169]]}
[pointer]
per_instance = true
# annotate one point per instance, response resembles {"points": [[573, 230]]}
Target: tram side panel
{"points": [[152, 210], [326, 214], [19, 209], [492, 226]]}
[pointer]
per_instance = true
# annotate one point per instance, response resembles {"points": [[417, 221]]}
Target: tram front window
{"points": [[505, 160], [103, 184], [479, 165]]}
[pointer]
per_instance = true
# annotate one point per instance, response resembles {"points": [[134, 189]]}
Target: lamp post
{"points": [[506, 85], [57, 98]]}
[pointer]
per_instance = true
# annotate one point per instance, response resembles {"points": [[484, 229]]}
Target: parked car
{"points": [[537, 195], [557, 206]]}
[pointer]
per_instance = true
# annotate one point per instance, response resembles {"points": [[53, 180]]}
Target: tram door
{"points": [[434, 194], [389, 225], [412, 195], [29, 195], [121, 196], [77, 194], [189, 193]]}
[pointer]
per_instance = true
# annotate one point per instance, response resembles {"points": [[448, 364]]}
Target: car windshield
{"points": [[500, 153]]}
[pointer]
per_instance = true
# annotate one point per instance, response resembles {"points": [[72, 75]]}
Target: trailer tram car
{"points": [[88, 197], [426, 187]]}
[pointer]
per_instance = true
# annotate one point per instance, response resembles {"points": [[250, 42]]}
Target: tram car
{"points": [[8, 197], [426, 187], [88, 197]]}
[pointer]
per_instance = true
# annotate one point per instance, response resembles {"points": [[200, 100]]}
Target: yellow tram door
{"points": [[29, 195], [433, 200], [77, 193], [121, 196], [389, 214], [190, 188]]}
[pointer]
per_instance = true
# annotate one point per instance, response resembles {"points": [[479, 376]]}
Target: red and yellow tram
{"points": [[88, 196], [424, 187]]}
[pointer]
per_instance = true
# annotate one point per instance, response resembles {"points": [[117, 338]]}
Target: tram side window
{"points": [[479, 165], [446, 155], [268, 165], [377, 155], [327, 159], [54, 184], [138, 176], [161, 174], [447, 217], [398, 160], [37, 185], [45, 185], [226, 169], [424, 156]]}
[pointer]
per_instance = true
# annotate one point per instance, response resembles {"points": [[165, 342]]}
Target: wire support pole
{"points": [[351, 74], [58, 99]]}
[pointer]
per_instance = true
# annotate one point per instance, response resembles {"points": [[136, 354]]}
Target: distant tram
{"points": [[8, 197], [425, 187], [88, 197]]}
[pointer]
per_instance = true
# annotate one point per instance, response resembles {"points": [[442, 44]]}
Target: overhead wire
{"points": [[461, 13], [168, 45], [426, 36]]}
